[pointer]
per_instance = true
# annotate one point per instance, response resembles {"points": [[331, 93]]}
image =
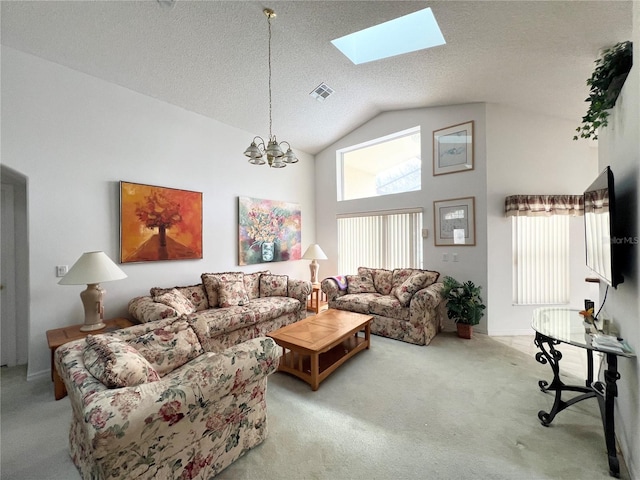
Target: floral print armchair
{"points": [[183, 412]]}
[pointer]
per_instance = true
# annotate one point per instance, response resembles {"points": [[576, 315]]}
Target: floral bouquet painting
{"points": [[269, 231], [159, 223]]}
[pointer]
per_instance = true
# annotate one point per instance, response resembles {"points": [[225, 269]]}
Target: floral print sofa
{"points": [[406, 304], [150, 402], [230, 307]]}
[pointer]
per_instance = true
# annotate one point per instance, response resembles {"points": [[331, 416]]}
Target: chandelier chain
{"points": [[269, 57], [259, 148]]}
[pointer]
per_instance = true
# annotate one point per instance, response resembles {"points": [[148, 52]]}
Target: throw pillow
{"points": [[400, 275], [176, 300], [231, 290], [431, 278], [170, 347], [382, 280], [361, 283], [252, 283], [225, 289], [411, 285], [115, 363], [274, 285], [210, 283], [195, 294]]}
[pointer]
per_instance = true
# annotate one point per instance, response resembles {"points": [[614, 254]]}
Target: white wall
{"points": [[75, 137], [531, 154], [619, 147], [472, 264]]}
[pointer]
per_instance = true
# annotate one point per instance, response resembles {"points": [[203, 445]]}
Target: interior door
{"points": [[8, 332]]}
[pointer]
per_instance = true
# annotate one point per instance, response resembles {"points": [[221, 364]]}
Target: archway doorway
{"points": [[14, 256]]}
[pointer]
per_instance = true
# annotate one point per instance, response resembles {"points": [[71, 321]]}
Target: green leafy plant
{"points": [[605, 84], [464, 303]]}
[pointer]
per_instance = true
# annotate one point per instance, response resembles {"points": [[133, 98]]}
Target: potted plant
{"points": [[605, 84], [464, 305]]}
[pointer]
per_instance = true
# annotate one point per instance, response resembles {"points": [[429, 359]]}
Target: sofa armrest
{"points": [[118, 419], [427, 307], [331, 288], [144, 309], [300, 290]]}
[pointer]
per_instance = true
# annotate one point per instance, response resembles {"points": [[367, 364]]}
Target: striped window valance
{"points": [[597, 201], [543, 205]]}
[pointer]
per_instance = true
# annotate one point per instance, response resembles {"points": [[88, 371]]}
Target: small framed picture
{"points": [[453, 149], [455, 222]]}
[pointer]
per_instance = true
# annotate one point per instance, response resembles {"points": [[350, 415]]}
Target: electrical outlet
{"points": [[61, 270], [454, 257], [445, 257]]}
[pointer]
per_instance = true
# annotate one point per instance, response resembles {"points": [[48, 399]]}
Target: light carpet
{"points": [[456, 409]]}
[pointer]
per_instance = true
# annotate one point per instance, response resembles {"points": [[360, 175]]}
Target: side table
{"points": [[60, 336], [318, 299]]}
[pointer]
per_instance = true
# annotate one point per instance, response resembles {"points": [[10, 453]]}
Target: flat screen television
{"points": [[599, 227]]}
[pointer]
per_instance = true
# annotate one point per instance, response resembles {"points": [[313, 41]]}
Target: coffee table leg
{"points": [[367, 334], [315, 373]]}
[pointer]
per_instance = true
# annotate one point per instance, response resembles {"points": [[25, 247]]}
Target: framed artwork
{"points": [[159, 223], [453, 149], [455, 222], [268, 231]]}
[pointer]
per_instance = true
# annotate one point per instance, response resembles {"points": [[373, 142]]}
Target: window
{"points": [[380, 240], [540, 260], [385, 166]]}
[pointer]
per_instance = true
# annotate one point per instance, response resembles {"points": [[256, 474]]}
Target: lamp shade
{"points": [[314, 252], [92, 267]]}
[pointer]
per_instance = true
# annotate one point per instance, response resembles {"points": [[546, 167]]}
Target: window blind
{"points": [[380, 240], [540, 260]]}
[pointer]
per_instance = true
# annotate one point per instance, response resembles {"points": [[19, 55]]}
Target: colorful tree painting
{"points": [[159, 223]]}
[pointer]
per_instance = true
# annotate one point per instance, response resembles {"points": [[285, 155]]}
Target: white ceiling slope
{"points": [[210, 57]]}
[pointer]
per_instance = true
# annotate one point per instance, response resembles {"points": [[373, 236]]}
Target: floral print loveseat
{"points": [[228, 308], [150, 402], [406, 304]]}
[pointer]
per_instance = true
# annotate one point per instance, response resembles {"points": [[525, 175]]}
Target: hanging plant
{"points": [[605, 84]]}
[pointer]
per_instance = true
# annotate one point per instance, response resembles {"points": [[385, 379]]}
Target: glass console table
{"points": [[561, 325]]}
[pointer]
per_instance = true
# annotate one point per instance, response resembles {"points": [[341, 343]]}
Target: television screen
{"points": [[599, 221]]}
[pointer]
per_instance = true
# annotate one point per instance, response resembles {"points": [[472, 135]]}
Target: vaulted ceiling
{"points": [[210, 57]]}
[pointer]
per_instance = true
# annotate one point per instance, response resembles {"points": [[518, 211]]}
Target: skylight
{"points": [[416, 31]]}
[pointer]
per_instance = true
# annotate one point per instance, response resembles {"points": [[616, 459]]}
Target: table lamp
{"points": [[314, 253], [92, 268]]}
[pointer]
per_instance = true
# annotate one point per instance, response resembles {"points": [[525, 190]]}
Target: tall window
{"points": [[540, 260], [384, 166], [380, 240]]}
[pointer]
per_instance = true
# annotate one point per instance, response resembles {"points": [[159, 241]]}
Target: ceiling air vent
{"points": [[322, 92]]}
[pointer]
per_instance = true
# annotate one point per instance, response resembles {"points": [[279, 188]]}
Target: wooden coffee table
{"points": [[316, 346]]}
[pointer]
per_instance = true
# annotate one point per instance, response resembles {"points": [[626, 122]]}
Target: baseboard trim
{"points": [[36, 375], [512, 333]]}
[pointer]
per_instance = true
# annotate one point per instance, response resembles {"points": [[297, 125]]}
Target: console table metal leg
{"points": [[606, 403], [549, 355], [589, 368]]}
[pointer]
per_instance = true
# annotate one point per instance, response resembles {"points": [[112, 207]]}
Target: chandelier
{"points": [[276, 158]]}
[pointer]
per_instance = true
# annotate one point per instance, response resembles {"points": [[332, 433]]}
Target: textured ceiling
{"points": [[210, 57]]}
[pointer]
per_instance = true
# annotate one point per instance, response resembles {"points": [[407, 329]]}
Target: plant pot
{"points": [[465, 330], [614, 89]]}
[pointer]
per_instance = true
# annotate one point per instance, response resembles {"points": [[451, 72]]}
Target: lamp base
{"points": [[93, 309], [314, 268], [91, 328]]}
